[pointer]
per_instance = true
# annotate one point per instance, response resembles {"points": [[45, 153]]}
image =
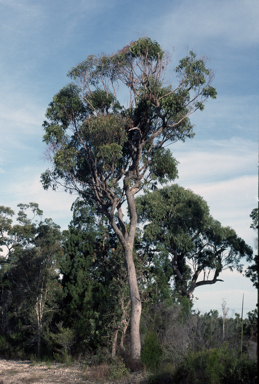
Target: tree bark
{"points": [[114, 343], [135, 305], [127, 241]]}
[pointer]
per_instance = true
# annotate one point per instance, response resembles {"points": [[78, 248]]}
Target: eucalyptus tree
{"points": [[107, 152], [185, 242]]}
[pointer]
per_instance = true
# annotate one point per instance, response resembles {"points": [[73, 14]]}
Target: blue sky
{"points": [[42, 40]]}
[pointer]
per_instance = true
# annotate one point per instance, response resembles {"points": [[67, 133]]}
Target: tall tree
{"points": [[185, 240], [107, 152]]}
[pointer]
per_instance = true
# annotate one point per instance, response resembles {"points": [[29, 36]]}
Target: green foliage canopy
{"points": [[178, 226], [94, 141]]}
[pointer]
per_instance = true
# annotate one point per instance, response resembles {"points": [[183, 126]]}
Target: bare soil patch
{"points": [[25, 372]]}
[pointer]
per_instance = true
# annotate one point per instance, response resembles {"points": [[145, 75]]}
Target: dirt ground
{"points": [[23, 372]]}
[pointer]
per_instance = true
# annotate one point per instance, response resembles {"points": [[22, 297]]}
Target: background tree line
{"points": [[74, 283]]}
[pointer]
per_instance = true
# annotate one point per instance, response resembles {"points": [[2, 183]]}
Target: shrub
{"points": [[151, 353], [202, 367], [118, 369], [65, 337], [216, 366], [243, 370]]}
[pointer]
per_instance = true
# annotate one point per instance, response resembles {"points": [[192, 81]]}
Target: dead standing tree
{"points": [[108, 153]]}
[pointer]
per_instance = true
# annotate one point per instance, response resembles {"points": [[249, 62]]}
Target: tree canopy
{"points": [[96, 142], [182, 236]]}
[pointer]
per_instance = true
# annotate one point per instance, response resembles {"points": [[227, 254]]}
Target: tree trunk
{"points": [[127, 240], [126, 323], [135, 304], [114, 343], [123, 325], [39, 315], [225, 311]]}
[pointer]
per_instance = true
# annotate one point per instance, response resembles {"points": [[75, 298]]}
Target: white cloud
{"points": [[210, 161], [240, 188], [231, 202], [214, 160], [28, 188], [224, 173], [232, 290]]}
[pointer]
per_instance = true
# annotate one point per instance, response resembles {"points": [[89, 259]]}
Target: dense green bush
{"points": [[215, 366], [211, 366], [242, 370], [118, 369], [202, 367], [151, 353]]}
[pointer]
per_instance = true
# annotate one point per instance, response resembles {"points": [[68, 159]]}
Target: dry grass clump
{"points": [[97, 372]]}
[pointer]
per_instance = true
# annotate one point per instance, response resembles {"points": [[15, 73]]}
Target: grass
{"points": [[97, 373]]}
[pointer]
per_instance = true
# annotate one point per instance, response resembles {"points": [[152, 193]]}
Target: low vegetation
{"points": [[178, 346]]}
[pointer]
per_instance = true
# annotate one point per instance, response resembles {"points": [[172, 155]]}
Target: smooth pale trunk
{"points": [[135, 304], [127, 241]]}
